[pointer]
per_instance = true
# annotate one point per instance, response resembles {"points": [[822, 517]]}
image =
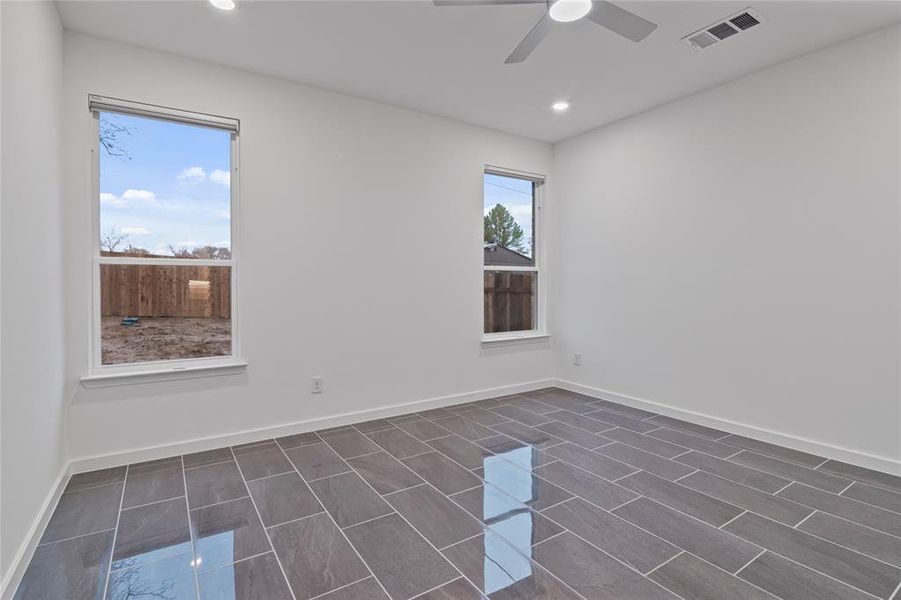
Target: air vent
{"points": [[744, 21], [721, 30], [702, 40]]}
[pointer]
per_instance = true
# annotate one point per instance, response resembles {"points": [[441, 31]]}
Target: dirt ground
{"points": [[164, 338]]}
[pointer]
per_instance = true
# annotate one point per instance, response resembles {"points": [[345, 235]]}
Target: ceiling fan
{"points": [[605, 14]]}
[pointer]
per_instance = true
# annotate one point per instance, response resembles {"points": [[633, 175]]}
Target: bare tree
{"points": [[111, 136], [203, 252], [111, 239]]}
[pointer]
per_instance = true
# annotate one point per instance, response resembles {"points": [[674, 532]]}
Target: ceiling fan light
{"points": [[565, 11]]}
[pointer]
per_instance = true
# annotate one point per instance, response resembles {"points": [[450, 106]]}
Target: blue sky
{"points": [[516, 196], [173, 191]]}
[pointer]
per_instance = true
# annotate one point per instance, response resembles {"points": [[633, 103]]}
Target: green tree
{"points": [[501, 229]]}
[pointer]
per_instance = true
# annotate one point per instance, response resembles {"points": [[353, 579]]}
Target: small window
{"points": [[164, 266], [511, 264]]}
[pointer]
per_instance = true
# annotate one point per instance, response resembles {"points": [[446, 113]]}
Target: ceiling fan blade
{"points": [[484, 2], [531, 41], [621, 21]]}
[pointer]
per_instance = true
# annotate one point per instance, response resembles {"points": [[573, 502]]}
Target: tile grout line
{"points": [[75, 537], [801, 522], [540, 512], [767, 473], [770, 550], [671, 558], [755, 586], [629, 475], [894, 595], [209, 505], [848, 499], [393, 511], [481, 531], [742, 513], [404, 519], [346, 585], [809, 568], [684, 476], [288, 522], [218, 462], [825, 460], [603, 551], [840, 518], [350, 470], [765, 550], [112, 553], [638, 497], [784, 487], [848, 487], [184, 480], [337, 528], [852, 550], [759, 554], [278, 559], [406, 489], [420, 595], [240, 560], [89, 487], [157, 501]]}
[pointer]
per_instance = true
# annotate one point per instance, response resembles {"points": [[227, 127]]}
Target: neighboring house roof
{"points": [[496, 254]]}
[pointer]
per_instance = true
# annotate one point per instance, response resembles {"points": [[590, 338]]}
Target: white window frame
{"points": [[539, 332], [140, 372]]}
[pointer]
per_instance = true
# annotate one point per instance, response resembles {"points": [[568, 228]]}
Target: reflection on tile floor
{"points": [[545, 494]]}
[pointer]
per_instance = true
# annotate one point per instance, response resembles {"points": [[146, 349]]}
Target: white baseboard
{"points": [[30, 543], [856, 457], [91, 463]]}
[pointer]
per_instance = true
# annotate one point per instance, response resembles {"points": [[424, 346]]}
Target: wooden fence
{"points": [[165, 291], [509, 301]]}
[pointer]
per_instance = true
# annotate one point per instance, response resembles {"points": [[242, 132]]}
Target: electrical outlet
{"points": [[316, 388], [577, 358]]}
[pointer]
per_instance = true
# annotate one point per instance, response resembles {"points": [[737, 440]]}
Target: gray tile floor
{"points": [[546, 494]]}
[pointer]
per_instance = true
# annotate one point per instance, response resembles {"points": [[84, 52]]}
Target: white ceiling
{"points": [[449, 61]]}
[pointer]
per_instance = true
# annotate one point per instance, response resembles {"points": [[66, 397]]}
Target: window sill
{"points": [[166, 374], [511, 339]]}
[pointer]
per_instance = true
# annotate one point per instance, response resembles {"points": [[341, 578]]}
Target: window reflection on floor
{"points": [[512, 521], [149, 576]]}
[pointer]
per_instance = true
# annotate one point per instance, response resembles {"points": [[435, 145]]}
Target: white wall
{"points": [[360, 253], [736, 253], [31, 322]]}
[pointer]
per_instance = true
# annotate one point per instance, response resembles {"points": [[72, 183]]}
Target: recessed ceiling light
{"points": [[560, 106], [565, 11], [223, 4]]}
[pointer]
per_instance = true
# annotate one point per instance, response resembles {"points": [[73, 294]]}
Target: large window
{"points": [[164, 265], [511, 257]]}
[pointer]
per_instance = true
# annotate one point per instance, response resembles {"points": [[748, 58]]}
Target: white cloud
{"points": [[220, 176], [143, 195], [189, 244], [111, 199], [193, 173], [135, 231]]}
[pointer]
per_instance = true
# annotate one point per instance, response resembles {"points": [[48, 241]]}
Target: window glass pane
{"points": [[510, 301], [164, 189], [509, 221], [162, 312]]}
